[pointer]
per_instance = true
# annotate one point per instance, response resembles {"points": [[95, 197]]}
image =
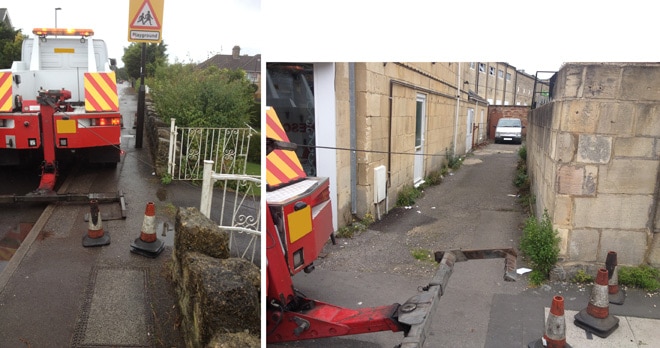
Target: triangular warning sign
{"points": [[145, 18]]}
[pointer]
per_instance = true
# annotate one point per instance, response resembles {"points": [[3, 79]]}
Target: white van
{"points": [[508, 129]]}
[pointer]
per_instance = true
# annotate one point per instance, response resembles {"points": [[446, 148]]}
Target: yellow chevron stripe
{"points": [[101, 95], [6, 93]]}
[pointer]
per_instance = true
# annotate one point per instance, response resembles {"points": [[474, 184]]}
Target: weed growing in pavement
{"points": [[453, 162], [434, 178], [170, 209], [644, 277], [355, 228], [582, 277], [422, 255], [408, 195], [540, 244], [522, 182], [166, 179]]}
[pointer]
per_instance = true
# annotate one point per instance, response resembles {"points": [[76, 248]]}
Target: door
{"points": [[420, 128], [470, 128]]}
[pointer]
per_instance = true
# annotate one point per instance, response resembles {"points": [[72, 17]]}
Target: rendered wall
{"points": [[594, 160]]}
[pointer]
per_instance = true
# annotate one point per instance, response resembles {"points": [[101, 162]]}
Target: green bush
{"points": [[644, 277], [254, 153], [540, 244], [208, 97]]}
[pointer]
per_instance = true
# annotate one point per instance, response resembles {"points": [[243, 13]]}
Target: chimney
{"points": [[236, 51]]}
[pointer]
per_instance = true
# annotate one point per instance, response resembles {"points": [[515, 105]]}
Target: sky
{"points": [[192, 30], [532, 36]]}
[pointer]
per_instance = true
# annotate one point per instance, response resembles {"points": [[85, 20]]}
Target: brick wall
{"points": [[495, 112]]}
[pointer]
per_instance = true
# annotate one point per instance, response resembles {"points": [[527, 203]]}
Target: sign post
{"points": [[145, 26]]}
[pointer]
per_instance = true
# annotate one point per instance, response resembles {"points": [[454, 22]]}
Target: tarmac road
{"points": [[474, 208]]}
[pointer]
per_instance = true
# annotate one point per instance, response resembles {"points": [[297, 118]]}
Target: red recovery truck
{"points": [[60, 101], [298, 225]]}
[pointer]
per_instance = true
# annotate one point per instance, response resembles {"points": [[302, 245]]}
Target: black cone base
{"points": [[151, 250], [95, 242], [619, 298], [599, 327]]}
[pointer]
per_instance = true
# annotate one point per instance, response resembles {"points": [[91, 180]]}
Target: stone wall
{"points": [[219, 296], [594, 161], [157, 137]]}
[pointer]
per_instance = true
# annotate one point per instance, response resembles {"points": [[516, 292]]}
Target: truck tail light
{"points": [[106, 121]]}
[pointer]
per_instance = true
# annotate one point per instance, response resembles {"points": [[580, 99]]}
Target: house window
{"points": [[253, 77], [482, 67], [491, 71], [472, 65], [508, 76], [500, 73]]}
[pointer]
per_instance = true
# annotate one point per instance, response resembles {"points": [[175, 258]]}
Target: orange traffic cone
{"points": [[596, 317], [616, 295], [555, 327], [148, 243], [95, 234]]}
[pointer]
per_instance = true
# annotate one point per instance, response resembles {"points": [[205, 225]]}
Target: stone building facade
{"points": [[375, 128], [594, 161]]}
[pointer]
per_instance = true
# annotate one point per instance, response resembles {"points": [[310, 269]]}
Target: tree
{"points": [[156, 57], [11, 42]]}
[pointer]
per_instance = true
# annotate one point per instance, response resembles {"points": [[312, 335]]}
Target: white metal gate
{"points": [[218, 157], [189, 147], [240, 209]]}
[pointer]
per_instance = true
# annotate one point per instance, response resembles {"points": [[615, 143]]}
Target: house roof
{"points": [[4, 17], [234, 61]]}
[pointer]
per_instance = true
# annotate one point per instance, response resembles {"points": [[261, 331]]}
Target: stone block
{"points": [[574, 83], [630, 246], [565, 147], [218, 296], [614, 211], [583, 245], [640, 82], [654, 253], [563, 212], [577, 180], [594, 149], [615, 118], [634, 147], [629, 176], [601, 81], [196, 232], [647, 120], [580, 116], [562, 233]]}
